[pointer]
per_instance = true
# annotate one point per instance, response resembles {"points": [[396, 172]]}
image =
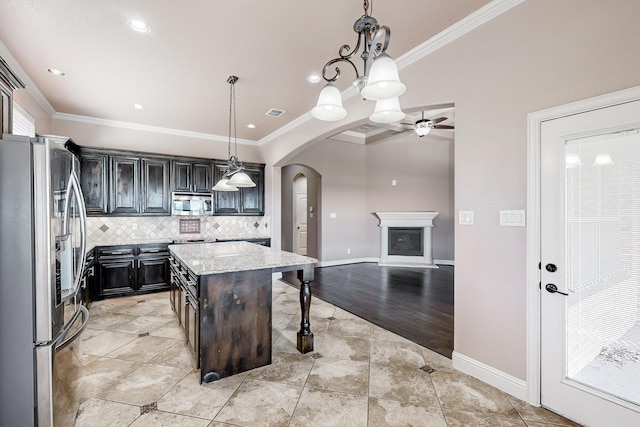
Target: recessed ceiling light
{"points": [[56, 72], [139, 26], [313, 78], [138, 106], [251, 126]]}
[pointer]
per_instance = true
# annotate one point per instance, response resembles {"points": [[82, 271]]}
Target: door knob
{"points": [[550, 268], [553, 289]]}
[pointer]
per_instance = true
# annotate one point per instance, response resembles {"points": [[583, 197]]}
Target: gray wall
{"points": [[357, 183]]}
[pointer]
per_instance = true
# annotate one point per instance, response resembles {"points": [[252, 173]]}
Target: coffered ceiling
{"points": [[178, 70]]}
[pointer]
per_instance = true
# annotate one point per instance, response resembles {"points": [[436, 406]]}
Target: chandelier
{"points": [[379, 80], [233, 176]]}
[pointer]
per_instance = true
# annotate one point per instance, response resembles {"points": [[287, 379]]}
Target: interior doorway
{"points": [[300, 214], [301, 209]]}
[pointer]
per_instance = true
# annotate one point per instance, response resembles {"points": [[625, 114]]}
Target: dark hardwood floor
{"points": [[415, 303]]}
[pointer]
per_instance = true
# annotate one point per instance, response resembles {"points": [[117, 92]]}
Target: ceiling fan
{"points": [[423, 126]]}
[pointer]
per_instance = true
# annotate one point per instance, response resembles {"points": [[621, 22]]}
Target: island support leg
{"points": [[305, 336]]}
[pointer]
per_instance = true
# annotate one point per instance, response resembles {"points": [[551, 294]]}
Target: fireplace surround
{"points": [[410, 242]]}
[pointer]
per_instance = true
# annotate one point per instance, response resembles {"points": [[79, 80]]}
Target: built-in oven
{"points": [[197, 204]]}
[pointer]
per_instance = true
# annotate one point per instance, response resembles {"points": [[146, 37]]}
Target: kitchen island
{"points": [[221, 293]]}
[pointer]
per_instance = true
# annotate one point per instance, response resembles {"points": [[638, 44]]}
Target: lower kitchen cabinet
{"points": [[130, 270]]}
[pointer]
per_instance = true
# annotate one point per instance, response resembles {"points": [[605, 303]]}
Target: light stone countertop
{"points": [[228, 257]]}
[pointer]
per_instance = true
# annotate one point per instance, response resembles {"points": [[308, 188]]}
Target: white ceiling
{"points": [[178, 71]]}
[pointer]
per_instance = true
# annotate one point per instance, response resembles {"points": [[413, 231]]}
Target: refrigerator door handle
{"points": [[85, 320], [83, 229]]}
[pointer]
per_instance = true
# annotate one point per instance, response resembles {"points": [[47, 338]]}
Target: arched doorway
{"points": [[300, 214], [300, 207]]}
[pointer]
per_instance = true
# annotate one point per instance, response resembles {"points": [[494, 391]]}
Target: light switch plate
{"points": [[513, 218], [465, 218]]}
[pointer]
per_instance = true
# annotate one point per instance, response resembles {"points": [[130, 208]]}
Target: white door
{"points": [[590, 252], [301, 223]]}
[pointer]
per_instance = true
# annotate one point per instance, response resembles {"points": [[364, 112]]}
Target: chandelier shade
{"points": [[329, 107], [233, 176], [387, 111], [383, 81]]}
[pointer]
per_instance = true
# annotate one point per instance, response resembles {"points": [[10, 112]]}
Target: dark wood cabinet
{"points": [[94, 181], [252, 198], [245, 201], [192, 176], [131, 269], [9, 82], [155, 186], [125, 185], [224, 202]]}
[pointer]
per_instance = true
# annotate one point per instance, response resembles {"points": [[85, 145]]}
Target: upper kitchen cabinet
{"points": [[224, 202], [245, 201], [192, 176], [8, 83], [94, 181], [125, 185], [155, 186]]}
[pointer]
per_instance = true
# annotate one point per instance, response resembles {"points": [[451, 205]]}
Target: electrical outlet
{"points": [[348, 250]]}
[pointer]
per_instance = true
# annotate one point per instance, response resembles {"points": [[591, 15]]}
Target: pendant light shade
{"points": [[241, 179], [329, 107], [223, 185], [383, 81], [387, 111]]}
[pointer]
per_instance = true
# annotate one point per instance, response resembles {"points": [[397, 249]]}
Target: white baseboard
{"points": [[370, 259], [505, 382], [345, 261]]}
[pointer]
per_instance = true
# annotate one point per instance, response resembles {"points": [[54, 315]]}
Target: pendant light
{"points": [[379, 80], [234, 175]]}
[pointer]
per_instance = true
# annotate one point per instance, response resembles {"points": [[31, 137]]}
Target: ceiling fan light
{"points": [[422, 127], [223, 185], [383, 81], [387, 111], [241, 179], [329, 107]]}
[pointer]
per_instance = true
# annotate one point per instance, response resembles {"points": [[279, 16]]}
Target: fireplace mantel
{"points": [[422, 220]]}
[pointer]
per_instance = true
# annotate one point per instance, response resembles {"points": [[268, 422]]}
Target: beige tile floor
{"points": [[137, 372]]}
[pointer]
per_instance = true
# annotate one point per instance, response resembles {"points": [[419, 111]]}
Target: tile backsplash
{"points": [[114, 229]]}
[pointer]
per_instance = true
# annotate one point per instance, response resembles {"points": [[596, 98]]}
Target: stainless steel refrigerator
{"points": [[43, 236]]}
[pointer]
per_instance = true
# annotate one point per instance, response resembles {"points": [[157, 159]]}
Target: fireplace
{"points": [[405, 239]]}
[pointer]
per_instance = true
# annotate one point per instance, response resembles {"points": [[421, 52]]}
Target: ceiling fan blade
{"points": [[409, 126], [443, 127], [438, 120]]}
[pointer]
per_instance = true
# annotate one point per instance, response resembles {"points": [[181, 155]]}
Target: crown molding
{"points": [[145, 128], [30, 86], [464, 26]]}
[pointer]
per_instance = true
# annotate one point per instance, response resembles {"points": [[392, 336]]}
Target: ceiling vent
{"points": [[274, 112]]}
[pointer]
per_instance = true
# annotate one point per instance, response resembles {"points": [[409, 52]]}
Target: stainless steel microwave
{"points": [[191, 204]]}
